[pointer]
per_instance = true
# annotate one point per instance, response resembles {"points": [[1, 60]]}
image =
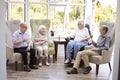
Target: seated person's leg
{"points": [[83, 54], [45, 51], [40, 53], [76, 64], [78, 46], [85, 57], [69, 48], [24, 56], [32, 59]]}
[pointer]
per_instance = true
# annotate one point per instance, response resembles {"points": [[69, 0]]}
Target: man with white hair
{"points": [[22, 45], [81, 36], [103, 43]]}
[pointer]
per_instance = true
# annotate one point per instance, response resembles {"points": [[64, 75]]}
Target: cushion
{"points": [[17, 57], [97, 59], [51, 51]]}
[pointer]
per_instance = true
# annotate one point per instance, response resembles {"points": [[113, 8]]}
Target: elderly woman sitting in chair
{"points": [[41, 44], [81, 36]]}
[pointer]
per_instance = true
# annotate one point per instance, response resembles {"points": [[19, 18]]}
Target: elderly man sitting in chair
{"points": [[81, 36], [22, 45], [103, 43]]}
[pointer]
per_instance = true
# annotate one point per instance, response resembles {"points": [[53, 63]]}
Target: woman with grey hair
{"points": [[41, 44], [81, 36]]}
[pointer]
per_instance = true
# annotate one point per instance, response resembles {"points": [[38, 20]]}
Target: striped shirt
{"points": [[17, 36]]}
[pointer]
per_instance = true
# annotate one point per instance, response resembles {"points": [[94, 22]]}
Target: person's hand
{"points": [[90, 42], [94, 49], [24, 40], [28, 49], [80, 41], [42, 42], [39, 40]]}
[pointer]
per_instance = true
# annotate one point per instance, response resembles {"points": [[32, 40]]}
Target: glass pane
{"points": [[76, 13], [38, 11], [38, 0], [17, 11], [57, 19], [57, 0], [16, 0], [78, 1]]}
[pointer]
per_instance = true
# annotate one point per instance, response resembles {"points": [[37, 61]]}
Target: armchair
{"points": [[34, 24], [11, 27], [105, 56]]}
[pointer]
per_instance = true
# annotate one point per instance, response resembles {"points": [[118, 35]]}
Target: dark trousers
{"points": [[23, 51]]}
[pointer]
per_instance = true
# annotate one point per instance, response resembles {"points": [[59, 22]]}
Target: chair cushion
{"points": [[97, 59], [51, 51], [51, 44], [17, 57]]}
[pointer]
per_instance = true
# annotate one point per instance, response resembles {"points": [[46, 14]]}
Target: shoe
{"points": [[73, 71], [87, 70], [69, 65], [67, 61], [73, 61], [40, 64], [33, 67], [27, 68], [47, 64]]}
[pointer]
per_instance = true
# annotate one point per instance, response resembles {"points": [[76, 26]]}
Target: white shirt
{"points": [[81, 34], [44, 37], [17, 36]]}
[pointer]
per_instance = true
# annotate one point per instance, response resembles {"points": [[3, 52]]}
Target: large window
{"points": [[16, 0], [38, 11], [78, 1], [38, 0], [62, 13], [57, 0], [76, 13], [57, 18], [16, 11]]}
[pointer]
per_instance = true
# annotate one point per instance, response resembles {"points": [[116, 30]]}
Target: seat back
{"points": [[11, 27], [35, 23], [111, 33], [9, 44]]}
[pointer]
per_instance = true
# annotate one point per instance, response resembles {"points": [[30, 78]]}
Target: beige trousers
{"points": [[42, 50], [85, 57]]}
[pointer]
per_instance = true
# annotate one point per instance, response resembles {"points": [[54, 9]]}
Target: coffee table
{"points": [[56, 43]]}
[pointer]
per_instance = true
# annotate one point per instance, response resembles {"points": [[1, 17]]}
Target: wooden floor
{"points": [[57, 71]]}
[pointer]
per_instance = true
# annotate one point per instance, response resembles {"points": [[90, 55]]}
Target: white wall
{"points": [[2, 42], [117, 44]]}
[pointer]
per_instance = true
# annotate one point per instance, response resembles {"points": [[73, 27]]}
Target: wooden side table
{"points": [[57, 42]]}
